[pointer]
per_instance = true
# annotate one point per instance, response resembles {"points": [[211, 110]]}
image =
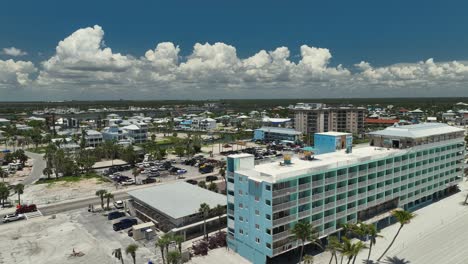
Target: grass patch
{"points": [[71, 179], [38, 150]]}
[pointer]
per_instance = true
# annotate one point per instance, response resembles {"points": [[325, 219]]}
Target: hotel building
{"points": [[404, 167]]}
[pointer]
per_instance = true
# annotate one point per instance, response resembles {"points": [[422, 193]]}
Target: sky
{"points": [[104, 50]]}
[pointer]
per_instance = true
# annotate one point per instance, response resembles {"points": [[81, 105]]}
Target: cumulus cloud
{"points": [[14, 52], [82, 62]]}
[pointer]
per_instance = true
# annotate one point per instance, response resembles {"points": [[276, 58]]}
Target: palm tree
{"points": [[173, 257], [346, 248], [373, 234], [4, 193], [304, 231], [135, 173], [131, 250], [333, 246], [355, 249], [108, 196], [19, 189], [219, 210], [117, 253], [3, 174], [178, 239], [47, 171], [162, 242], [404, 217], [100, 194], [204, 210], [308, 259]]}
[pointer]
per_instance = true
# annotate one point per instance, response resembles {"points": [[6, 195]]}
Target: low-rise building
{"points": [[270, 134], [93, 138]]}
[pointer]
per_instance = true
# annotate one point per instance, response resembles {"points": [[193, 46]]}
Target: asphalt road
{"points": [[38, 166]]}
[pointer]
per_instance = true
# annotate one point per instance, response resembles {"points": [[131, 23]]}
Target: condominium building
{"points": [[405, 167], [310, 120]]}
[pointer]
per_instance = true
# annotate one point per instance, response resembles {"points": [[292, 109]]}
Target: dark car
{"points": [[211, 178], [154, 174], [124, 224], [206, 169], [148, 180], [194, 182], [115, 215]]}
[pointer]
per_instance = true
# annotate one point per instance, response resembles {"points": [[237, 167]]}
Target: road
{"points": [[38, 166]]}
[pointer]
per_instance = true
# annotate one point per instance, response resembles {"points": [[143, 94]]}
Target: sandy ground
{"points": [[45, 240], [219, 255], [19, 176], [61, 191]]}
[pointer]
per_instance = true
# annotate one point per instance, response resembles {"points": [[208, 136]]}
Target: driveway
{"points": [[38, 166]]}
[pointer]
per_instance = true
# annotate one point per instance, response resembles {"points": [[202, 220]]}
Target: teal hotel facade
{"points": [[403, 167]]}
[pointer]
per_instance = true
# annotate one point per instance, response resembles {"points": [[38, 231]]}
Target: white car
{"points": [[12, 217], [119, 204], [128, 182]]}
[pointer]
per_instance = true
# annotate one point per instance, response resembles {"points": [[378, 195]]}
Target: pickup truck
{"points": [[124, 224], [12, 217], [115, 215]]}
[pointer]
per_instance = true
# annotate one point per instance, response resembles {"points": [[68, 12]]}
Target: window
{"points": [[240, 179], [267, 202], [257, 226], [241, 231], [267, 216], [240, 192], [268, 187], [241, 205], [257, 198], [257, 240], [257, 212], [268, 245], [241, 218]]}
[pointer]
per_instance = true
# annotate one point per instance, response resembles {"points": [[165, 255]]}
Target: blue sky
{"points": [[379, 33]]}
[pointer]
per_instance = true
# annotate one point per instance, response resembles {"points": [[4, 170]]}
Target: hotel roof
{"points": [[417, 131], [274, 172]]}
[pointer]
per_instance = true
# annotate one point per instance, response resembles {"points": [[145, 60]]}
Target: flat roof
{"points": [[418, 130], [333, 133], [178, 199], [281, 130], [274, 172]]}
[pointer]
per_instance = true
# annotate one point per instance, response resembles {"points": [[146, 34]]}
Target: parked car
{"points": [[124, 224], [194, 182], [119, 204], [205, 169], [154, 174], [26, 208], [211, 178], [148, 180], [115, 215], [12, 217], [128, 182], [181, 171]]}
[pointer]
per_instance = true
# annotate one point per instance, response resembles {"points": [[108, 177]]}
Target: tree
{"points": [[173, 257], [333, 246], [162, 243], [108, 196], [304, 231], [179, 150], [131, 250], [219, 210], [204, 210], [135, 173], [153, 137], [178, 239], [19, 189], [4, 193], [47, 171], [403, 217], [36, 137], [3, 174], [100, 194], [213, 187], [373, 234], [21, 156], [128, 155], [86, 160], [308, 259], [117, 253], [202, 184]]}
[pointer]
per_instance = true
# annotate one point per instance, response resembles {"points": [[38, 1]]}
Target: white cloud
{"points": [[14, 52], [83, 66]]}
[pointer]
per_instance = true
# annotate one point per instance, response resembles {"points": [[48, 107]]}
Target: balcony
{"points": [[381, 168], [317, 222], [397, 163], [362, 184], [317, 196], [317, 208], [371, 203], [329, 205], [281, 235], [362, 173], [341, 214], [371, 170], [329, 230], [284, 206], [328, 218], [230, 211], [389, 166], [371, 181], [284, 191], [330, 180], [341, 189], [362, 195], [352, 198], [380, 189], [372, 192], [361, 206], [304, 200], [284, 220], [352, 175], [342, 178], [388, 187], [329, 193], [305, 186], [304, 213], [341, 202]]}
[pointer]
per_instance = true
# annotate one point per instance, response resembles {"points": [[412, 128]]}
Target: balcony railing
{"points": [[330, 180], [341, 189], [371, 181], [352, 186], [285, 191], [362, 184], [317, 196], [362, 206], [317, 222], [281, 235], [305, 186], [329, 205], [342, 177], [328, 218], [304, 213], [352, 175], [283, 206], [284, 220], [304, 200], [362, 195], [341, 202], [341, 214], [318, 208], [330, 192], [329, 230]]}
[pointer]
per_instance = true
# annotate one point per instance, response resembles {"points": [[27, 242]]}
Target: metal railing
{"points": [[283, 206], [284, 191], [284, 220]]}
